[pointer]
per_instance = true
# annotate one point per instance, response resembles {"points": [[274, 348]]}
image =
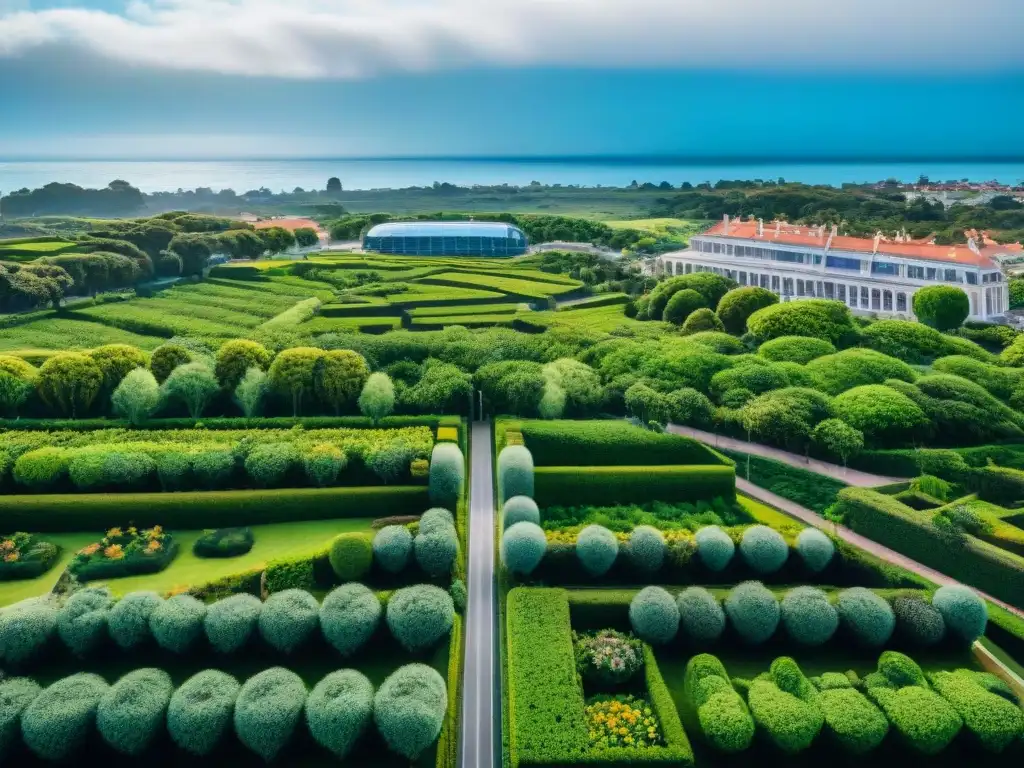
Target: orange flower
{"points": [[153, 546], [113, 532], [92, 549], [114, 552], [155, 531], [11, 557], [6, 545]]}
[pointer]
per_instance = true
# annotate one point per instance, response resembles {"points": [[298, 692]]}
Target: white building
{"points": [[878, 276]]}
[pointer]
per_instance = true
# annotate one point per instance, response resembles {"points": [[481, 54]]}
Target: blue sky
{"points": [[691, 78]]}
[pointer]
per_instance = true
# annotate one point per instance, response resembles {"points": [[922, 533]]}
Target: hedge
{"points": [[200, 711], [267, 710], [784, 704], [57, 724], [132, 712], [995, 722], [232, 423], [723, 717], [576, 486], [288, 619], [339, 709], [16, 693], [802, 486], [852, 721]]}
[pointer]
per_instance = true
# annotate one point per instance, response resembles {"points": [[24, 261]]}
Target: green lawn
{"points": [[22, 589], [62, 334]]}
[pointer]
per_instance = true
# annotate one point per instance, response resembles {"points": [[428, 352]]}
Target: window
{"points": [[930, 272], [876, 299], [887, 301], [764, 282], [901, 302], [842, 262], [915, 273], [830, 291], [864, 301], [799, 287], [791, 256], [885, 268], [817, 258], [775, 283], [787, 286], [972, 277], [743, 278], [949, 276], [689, 269], [841, 293]]}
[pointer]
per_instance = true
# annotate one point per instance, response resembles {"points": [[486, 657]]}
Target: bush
{"points": [[993, 720], [681, 305], [821, 319], [837, 438], [377, 399], [323, 463], [16, 693], [137, 396], [520, 509], [392, 547], [213, 469], [515, 472], [654, 616], [763, 549], [339, 709], [58, 723], [795, 349], [131, 713], [522, 547], [596, 548], [714, 548], [853, 721], [885, 416], [230, 623], [784, 704], [194, 385], [963, 612], [200, 711], [392, 462], [918, 622], [267, 710], [82, 622], [436, 520], [851, 368], [815, 549], [25, 630], [351, 556], [701, 618], [740, 303], [436, 552], [942, 307], [721, 712], [288, 619], [460, 595], [409, 709], [177, 623], [269, 465], [224, 542], [69, 383], [42, 469], [808, 616], [349, 617], [866, 616], [166, 358], [236, 357], [753, 612], [646, 549], [447, 475], [701, 321], [786, 417], [420, 616]]}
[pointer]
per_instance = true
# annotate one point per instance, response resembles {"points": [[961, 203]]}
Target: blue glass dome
{"points": [[446, 238]]}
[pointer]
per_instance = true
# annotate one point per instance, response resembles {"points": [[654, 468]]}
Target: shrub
{"points": [[288, 619], [721, 712], [436, 520], [447, 475], [701, 618], [237, 356], [753, 611], [392, 546], [854, 722], [515, 472], [596, 548], [251, 391], [230, 623], [323, 463], [740, 303], [131, 713], [866, 616], [701, 321], [16, 693], [654, 616], [351, 555], [460, 595], [177, 623], [808, 616], [714, 548], [224, 542], [339, 709], [882, 414], [137, 396], [267, 710], [607, 659], [522, 547], [918, 622], [213, 469], [963, 612], [682, 304], [783, 703], [377, 399], [194, 385], [409, 709], [520, 509], [82, 622], [763, 549], [856, 367], [392, 462], [166, 358], [786, 417], [993, 720], [942, 307], [349, 616], [837, 438], [269, 465], [42, 469], [339, 378], [420, 616], [821, 319], [815, 549], [646, 549], [795, 349], [200, 711], [58, 723], [25, 630], [69, 383], [436, 552]]}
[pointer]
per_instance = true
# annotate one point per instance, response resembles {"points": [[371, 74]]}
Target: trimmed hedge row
{"points": [[576, 485], [231, 423]]}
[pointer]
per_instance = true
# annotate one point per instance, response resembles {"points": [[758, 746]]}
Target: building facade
{"points": [[446, 238], [869, 276]]}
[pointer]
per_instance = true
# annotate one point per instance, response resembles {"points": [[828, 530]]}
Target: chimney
{"points": [[725, 222], [778, 229], [760, 227], [878, 239], [973, 245], [835, 230], [821, 232]]}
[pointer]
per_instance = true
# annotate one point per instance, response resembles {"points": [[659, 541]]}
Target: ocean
{"points": [[278, 175]]}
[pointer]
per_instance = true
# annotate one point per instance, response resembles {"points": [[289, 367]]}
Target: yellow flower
{"points": [[623, 731], [11, 557], [132, 530], [155, 531], [91, 549], [114, 552], [628, 739], [113, 533], [6, 545], [154, 546]]}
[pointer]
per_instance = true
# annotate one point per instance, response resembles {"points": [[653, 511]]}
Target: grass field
{"points": [[22, 589], [61, 333], [513, 285], [595, 318]]}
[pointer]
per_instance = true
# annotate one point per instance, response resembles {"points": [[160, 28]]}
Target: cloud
{"points": [[354, 39]]}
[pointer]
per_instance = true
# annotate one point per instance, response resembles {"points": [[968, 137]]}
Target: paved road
{"points": [[843, 474], [478, 737]]}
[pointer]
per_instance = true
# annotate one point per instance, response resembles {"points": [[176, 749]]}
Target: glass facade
{"points": [[446, 238]]}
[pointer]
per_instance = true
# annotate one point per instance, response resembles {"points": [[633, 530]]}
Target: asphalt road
{"points": [[478, 742]]}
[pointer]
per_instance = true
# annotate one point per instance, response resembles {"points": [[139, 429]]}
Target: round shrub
{"points": [[230, 623], [237, 356], [420, 616], [436, 552], [942, 307], [267, 710], [82, 622], [349, 616], [268, 465], [701, 618], [25, 630], [42, 469], [520, 509], [224, 542], [763, 549], [436, 520], [515, 472], [131, 713], [682, 304], [856, 367], [523, 547], [820, 318], [59, 722], [866, 616], [128, 618], [199, 714], [740, 303], [460, 595], [392, 547], [963, 611], [409, 709], [351, 555], [918, 622], [884, 415], [753, 611], [646, 549], [795, 349], [16, 693], [654, 616], [339, 709], [815, 549], [288, 619], [596, 548], [323, 463], [213, 469], [714, 548], [808, 616], [447, 475], [177, 623], [702, 321]]}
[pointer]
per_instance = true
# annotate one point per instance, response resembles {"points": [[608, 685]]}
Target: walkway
{"points": [[842, 474], [478, 738]]}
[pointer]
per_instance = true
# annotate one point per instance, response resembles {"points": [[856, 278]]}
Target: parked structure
{"points": [[446, 238]]}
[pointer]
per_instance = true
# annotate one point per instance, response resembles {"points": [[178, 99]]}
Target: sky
{"points": [[380, 78]]}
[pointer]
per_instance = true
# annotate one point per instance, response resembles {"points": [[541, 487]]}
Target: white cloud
{"points": [[361, 38]]}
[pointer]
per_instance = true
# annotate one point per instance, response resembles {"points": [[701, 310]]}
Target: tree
{"points": [[235, 357], [25, 286], [306, 237], [334, 185], [14, 393], [942, 307], [250, 391], [194, 251], [339, 378], [377, 399], [116, 360], [276, 239], [292, 374], [69, 382], [838, 439], [194, 385], [681, 305], [137, 396], [786, 417], [740, 303], [166, 358], [168, 264]]}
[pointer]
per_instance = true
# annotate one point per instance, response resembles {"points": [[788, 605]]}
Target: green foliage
{"points": [[436, 550], [339, 709], [701, 618], [251, 390], [786, 417], [82, 622], [351, 556], [349, 616], [200, 712], [193, 385], [512, 386], [270, 464], [339, 378], [795, 349], [16, 694], [25, 630], [808, 616], [116, 361], [654, 616], [815, 549], [763, 549], [715, 548], [784, 704], [177, 623], [323, 463], [740, 303], [681, 305], [57, 724], [447, 475], [851, 368], [882, 414], [865, 616], [753, 612], [520, 509], [836, 438], [523, 545], [392, 547], [224, 542], [1000, 382], [853, 721], [14, 393], [377, 399], [230, 623], [918, 622], [130, 716], [994, 721], [724, 719], [69, 383], [964, 613], [646, 549], [459, 594], [236, 357], [752, 374], [916, 343], [137, 396], [267, 710], [515, 472], [292, 374], [596, 549], [818, 318], [420, 616], [288, 619], [941, 306], [409, 709], [563, 486]]}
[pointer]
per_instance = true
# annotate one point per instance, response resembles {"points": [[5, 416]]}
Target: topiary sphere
{"points": [[349, 616], [753, 611], [339, 709], [16, 693], [82, 622], [392, 547], [515, 472], [26, 629], [866, 616], [132, 711], [963, 611], [714, 548], [763, 549], [351, 555], [446, 475], [654, 616], [409, 709], [58, 723], [522, 548], [200, 711], [646, 549], [436, 520], [520, 509], [128, 619], [596, 548], [230, 623], [701, 618], [177, 623], [420, 616], [288, 619], [267, 710], [918, 622], [808, 616], [815, 549], [436, 552]]}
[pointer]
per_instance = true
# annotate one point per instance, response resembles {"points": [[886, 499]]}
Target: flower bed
{"points": [[25, 556], [124, 552], [606, 659], [621, 721]]}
